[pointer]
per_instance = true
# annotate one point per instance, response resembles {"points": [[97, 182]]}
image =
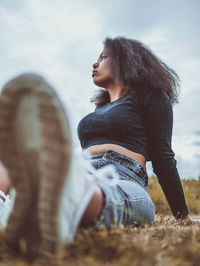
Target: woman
{"points": [[132, 123]]}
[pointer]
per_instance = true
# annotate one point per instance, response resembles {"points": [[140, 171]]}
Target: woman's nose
{"points": [[95, 65]]}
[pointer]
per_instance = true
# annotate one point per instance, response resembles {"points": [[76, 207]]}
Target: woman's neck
{"points": [[115, 92]]}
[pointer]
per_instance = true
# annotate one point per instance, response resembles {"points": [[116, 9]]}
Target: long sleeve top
{"points": [[143, 125]]}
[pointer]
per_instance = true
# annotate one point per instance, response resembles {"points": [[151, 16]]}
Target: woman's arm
{"points": [[159, 121]]}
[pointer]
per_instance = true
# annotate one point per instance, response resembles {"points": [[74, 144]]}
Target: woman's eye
{"points": [[102, 57]]}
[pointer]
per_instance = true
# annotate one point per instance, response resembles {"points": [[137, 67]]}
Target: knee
{"points": [[4, 179], [94, 209]]}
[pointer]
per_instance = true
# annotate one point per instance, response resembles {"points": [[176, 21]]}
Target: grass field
{"points": [[166, 242]]}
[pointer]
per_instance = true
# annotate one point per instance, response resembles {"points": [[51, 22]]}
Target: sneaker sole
{"points": [[35, 143]]}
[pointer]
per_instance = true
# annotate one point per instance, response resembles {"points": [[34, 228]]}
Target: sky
{"points": [[61, 39]]}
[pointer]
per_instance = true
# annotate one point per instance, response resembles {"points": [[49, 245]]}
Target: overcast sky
{"points": [[62, 39]]}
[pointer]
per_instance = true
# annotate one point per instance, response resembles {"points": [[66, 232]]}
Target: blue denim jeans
{"points": [[127, 202]]}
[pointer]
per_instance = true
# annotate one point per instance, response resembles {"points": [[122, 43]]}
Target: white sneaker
{"points": [[77, 192], [35, 141]]}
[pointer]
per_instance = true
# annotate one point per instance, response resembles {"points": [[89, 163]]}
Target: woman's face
{"points": [[102, 72]]}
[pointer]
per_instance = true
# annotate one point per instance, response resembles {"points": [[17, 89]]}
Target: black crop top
{"points": [[142, 125]]}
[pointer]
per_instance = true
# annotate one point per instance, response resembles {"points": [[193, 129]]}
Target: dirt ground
{"points": [[166, 242]]}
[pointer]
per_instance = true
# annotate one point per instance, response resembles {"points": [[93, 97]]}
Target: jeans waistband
{"points": [[126, 161]]}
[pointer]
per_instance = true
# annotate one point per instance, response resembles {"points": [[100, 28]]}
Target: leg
{"points": [[4, 179], [126, 199], [36, 148], [94, 209], [128, 203], [5, 203]]}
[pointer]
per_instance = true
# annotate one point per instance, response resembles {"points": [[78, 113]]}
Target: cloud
{"points": [[197, 132], [197, 156], [62, 39], [186, 113], [188, 169], [196, 143], [57, 39]]}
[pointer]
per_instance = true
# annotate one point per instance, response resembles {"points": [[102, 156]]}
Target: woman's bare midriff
{"points": [[102, 148]]}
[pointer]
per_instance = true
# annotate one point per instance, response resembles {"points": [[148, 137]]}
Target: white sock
{"points": [[6, 206]]}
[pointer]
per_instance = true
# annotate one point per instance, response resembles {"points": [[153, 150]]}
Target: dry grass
{"points": [[191, 189], [166, 242]]}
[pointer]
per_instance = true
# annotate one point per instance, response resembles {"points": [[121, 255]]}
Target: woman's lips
{"points": [[94, 73]]}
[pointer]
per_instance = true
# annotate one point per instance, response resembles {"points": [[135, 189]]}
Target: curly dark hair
{"points": [[138, 69]]}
